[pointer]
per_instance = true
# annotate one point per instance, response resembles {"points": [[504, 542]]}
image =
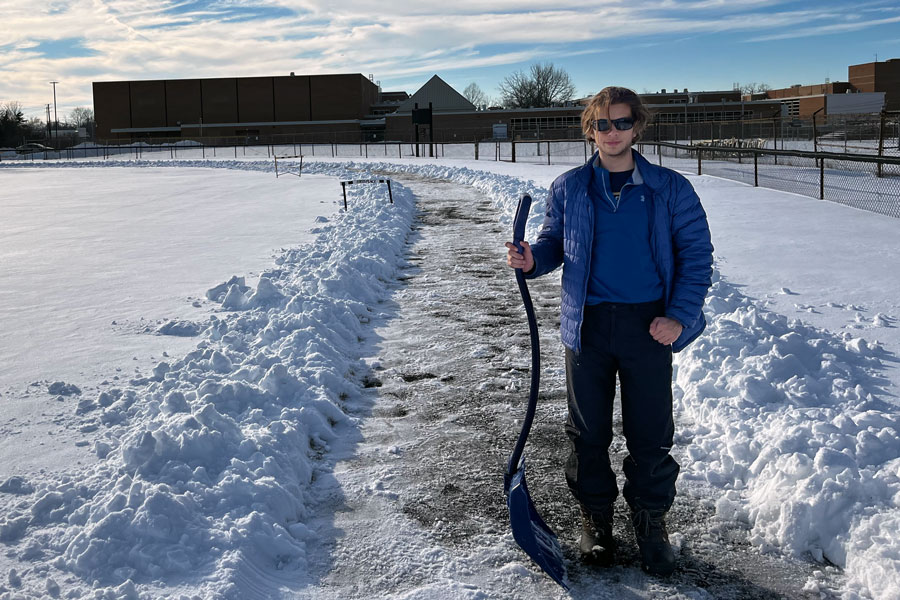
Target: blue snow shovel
{"points": [[529, 529]]}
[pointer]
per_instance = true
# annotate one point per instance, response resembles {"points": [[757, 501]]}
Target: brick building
{"points": [[351, 108], [879, 77], [233, 107], [871, 88]]}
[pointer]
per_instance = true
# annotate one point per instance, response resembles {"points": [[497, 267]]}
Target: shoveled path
{"points": [[421, 511]]}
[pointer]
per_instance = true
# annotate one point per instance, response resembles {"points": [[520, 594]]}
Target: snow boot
{"points": [[657, 556], [597, 544]]}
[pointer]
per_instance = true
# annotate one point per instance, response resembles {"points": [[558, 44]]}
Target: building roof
{"points": [[441, 96]]}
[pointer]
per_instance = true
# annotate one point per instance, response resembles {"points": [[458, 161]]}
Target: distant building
{"points": [[351, 108], [234, 107], [711, 106], [871, 88], [879, 77]]}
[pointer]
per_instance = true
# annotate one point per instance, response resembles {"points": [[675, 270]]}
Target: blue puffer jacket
{"points": [[679, 239]]}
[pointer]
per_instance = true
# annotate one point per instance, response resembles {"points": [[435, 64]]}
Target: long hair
{"points": [[614, 95]]}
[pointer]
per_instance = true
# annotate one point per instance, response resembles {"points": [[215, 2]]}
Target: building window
{"points": [[544, 123]]}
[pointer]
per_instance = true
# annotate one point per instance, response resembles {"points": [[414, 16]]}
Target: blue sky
{"points": [[643, 44]]}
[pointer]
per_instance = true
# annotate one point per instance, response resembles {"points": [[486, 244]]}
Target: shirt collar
{"points": [[636, 177]]}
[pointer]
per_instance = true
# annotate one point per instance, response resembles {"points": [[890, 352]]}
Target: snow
{"points": [[191, 469]]}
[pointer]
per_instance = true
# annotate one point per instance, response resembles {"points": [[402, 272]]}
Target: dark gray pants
{"points": [[615, 339]]}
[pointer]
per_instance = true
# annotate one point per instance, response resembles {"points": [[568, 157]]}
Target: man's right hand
{"points": [[524, 261]]}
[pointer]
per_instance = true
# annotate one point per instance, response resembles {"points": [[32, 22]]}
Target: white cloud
{"points": [[830, 29], [144, 39]]}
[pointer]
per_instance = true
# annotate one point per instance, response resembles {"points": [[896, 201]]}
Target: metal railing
{"points": [[863, 181]]}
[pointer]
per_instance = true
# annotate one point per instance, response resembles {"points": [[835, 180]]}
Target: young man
{"points": [[637, 263]]}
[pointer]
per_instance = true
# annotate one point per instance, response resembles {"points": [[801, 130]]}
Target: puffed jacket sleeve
{"points": [[547, 249], [693, 257]]}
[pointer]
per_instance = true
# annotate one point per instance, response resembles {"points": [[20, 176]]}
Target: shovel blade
{"points": [[529, 530]]}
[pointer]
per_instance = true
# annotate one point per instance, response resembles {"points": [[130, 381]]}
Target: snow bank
{"points": [[783, 417], [786, 418], [207, 464]]}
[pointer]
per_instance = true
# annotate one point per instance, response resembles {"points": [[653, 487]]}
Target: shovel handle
{"points": [[515, 461], [520, 221]]}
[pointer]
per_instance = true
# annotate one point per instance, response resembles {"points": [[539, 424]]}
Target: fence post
{"points": [[699, 161], [880, 143], [548, 152], [390, 194], [476, 149], [585, 150], [822, 179], [344, 189], [513, 143], [755, 169]]}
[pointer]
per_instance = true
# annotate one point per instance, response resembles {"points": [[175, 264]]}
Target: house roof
{"points": [[441, 96]]}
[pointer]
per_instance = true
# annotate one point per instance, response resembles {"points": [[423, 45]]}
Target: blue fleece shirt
{"points": [[622, 266]]}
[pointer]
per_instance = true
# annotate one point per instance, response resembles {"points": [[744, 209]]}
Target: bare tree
{"points": [[81, 117], [544, 85], [476, 96], [752, 87]]}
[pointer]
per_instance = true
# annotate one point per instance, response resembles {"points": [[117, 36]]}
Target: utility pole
{"points": [[55, 117]]}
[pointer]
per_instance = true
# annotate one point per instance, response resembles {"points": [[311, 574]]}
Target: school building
{"points": [[351, 108]]}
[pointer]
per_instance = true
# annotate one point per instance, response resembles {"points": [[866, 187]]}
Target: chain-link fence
{"points": [[867, 182], [846, 134]]}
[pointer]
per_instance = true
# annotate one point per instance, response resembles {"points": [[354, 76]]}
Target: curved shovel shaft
{"points": [[529, 529], [518, 236]]}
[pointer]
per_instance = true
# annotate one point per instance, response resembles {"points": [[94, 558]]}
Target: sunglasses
{"points": [[623, 124]]}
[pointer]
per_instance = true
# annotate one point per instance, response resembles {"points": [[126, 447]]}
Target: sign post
{"points": [[422, 116]]}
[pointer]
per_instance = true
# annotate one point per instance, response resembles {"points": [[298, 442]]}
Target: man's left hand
{"points": [[665, 330]]}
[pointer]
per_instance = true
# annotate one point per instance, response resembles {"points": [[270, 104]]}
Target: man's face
{"points": [[614, 142]]}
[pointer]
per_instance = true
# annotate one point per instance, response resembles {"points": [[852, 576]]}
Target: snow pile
{"points": [[504, 191], [207, 464], [786, 418]]}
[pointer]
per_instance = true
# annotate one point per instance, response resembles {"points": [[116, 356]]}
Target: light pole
{"points": [[55, 117]]}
